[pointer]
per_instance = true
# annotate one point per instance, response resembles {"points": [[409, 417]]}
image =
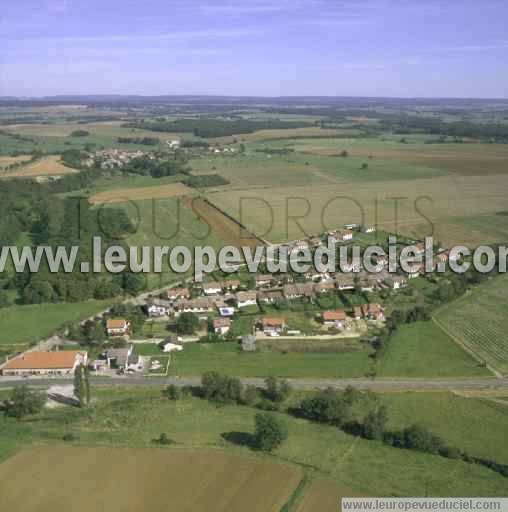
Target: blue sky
{"points": [[425, 48]]}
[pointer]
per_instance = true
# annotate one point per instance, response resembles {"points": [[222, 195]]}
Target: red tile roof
{"points": [[43, 360]]}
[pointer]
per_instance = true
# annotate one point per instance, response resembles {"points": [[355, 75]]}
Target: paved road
{"points": [[361, 383]]}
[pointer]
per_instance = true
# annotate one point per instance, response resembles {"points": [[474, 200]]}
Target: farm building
{"points": [[45, 363], [122, 358]]}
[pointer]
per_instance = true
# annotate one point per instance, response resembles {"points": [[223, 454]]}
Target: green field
{"points": [[423, 350], [197, 358], [27, 324], [479, 321], [134, 417]]}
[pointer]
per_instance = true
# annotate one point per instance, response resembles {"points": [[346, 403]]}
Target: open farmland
{"points": [[324, 496], [107, 129], [121, 195], [469, 159], [85, 479], [222, 226], [312, 131], [31, 323], [122, 421], [441, 188], [5, 161], [45, 166], [425, 206], [479, 321]]}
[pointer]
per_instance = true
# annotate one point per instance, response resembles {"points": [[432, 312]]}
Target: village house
{"points": [[212, 288], [178, 293], [272, 326], [117, 327], [373, 312], [314, 274], [244, 299], [335, 318], [199, 305], [157, 310], [357, 312], [45, 363], [325, 286], [344, 282], [221, 325], [269, 296], [231, 285], [122, 358], [344, 235], [297, 290], [395, 282], [263, 280]]}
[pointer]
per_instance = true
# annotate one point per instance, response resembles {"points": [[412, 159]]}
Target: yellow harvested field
{"points": [[324, 496], [46, 166], [121, 195], [59, 479]]}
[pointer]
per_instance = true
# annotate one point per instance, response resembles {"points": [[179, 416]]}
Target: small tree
{"points": [[172, 392], [364, 166], [187, 323], [270, 431], [344, 153], [23, 402], [82, 385], [375, 423], [276, 390]]}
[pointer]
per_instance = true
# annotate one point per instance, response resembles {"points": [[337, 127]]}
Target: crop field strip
{"points": [[143, 479]]}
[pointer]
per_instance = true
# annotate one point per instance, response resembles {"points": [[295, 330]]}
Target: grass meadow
{"points": [[20, 325], [423, 350]]}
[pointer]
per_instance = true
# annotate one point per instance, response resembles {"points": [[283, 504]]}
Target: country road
{"points": [[309, 384]]}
